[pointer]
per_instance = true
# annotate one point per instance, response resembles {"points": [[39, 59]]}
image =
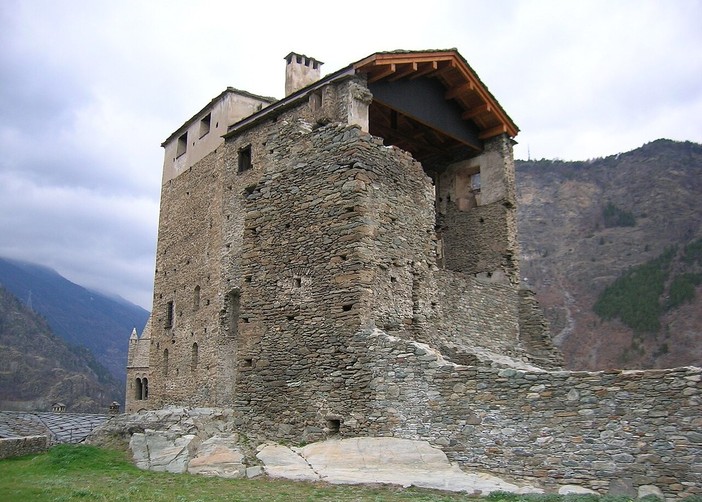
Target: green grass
{"points": [[87, 473]]}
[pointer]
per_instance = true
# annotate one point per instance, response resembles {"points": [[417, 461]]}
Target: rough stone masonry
{"points": [[344, 263]]}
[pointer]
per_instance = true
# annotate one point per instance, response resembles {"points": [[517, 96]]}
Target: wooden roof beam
{"points": [[459, 89], [407, 70], [475, 111], [493, 131], [387, 71], [426, 69]]}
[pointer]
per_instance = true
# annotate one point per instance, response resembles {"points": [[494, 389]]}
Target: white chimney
{"points": [[300, 71]]}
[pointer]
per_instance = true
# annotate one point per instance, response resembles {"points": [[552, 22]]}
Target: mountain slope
{"points": [[77, 315], [583, 225], [37, 368]]}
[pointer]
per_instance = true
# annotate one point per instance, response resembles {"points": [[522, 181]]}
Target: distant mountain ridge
{"points": [[81, 317], [584, 225], [38, 369]]}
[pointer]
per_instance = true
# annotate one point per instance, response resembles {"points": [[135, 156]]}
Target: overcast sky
{"points": [[89, 90]]}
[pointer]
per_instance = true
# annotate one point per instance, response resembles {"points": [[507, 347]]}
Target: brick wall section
{"points": [[16, 447], [591, 429]]}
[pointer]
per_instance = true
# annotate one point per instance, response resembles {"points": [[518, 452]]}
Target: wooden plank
{"points": [[494, 131], [459, 89], [478, 110], [426, 69], [407, 70], [388, 70]]}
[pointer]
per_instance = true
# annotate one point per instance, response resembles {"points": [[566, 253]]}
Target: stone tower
{"points": [[377, 200]]}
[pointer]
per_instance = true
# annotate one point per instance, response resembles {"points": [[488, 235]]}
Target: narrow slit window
{"points": [[245, 159], [194, 357], [196, 298], [169, 315]]}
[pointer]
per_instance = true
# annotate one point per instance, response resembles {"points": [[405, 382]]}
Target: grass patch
{"points": [[87, 473]]}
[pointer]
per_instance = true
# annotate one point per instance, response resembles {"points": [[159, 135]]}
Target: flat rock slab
{"points": [[218, 456], [379, 460]]}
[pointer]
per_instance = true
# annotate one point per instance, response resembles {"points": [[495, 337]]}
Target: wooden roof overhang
{"points": [[432, 104]]}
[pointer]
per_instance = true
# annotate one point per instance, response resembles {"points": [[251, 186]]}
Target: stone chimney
{"points": [[300, 71]]}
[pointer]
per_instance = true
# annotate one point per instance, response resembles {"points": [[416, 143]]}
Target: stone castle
{"points": [[344, 262]]}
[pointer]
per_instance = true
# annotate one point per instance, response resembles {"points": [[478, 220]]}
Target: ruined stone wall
{"points": [[534, 333], [16, 447], [476, 316], [602, 430], [187, 290], [478, 228]]}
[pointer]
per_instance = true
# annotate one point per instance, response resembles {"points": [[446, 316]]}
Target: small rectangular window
{"points": [[182, 145], [475, 182], [205, 124], [245, 159]]}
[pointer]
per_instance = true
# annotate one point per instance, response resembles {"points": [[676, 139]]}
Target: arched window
{"points": [[145, 388], [138, 389], [196, 298], [165, 362], [194, 356]]}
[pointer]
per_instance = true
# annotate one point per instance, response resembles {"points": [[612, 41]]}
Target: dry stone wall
{"points": [[608, 431], [189, 356], [16, 447]]}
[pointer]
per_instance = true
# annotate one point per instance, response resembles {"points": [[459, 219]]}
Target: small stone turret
{"points": [[300, 71], [133, 342]]}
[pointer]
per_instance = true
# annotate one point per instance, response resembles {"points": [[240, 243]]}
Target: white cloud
{"points": [[89, 89]]}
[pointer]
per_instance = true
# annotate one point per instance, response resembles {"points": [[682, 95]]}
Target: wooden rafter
{"points": [[493, 131], [461, 82], [426, 68], [404, 72], [459, 90], [388, 69], [475, 111]]}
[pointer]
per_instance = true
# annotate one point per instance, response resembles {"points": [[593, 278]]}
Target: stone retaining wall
{"points": [[16, 447], [607, 431]]}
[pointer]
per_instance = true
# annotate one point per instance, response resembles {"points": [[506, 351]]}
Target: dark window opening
{"points": [[137, 389], [196, 298], [290, 317], [205, 124], [194, 357], [347, 307], [169, 315], [145, 388], [315, 101], [248, 362], [245, 159], [333, 424], [297, 282], [182, 145]]}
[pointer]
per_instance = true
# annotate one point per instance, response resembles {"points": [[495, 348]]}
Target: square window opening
{"points": [[182, 145], [205, 124], [333, 424]]}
